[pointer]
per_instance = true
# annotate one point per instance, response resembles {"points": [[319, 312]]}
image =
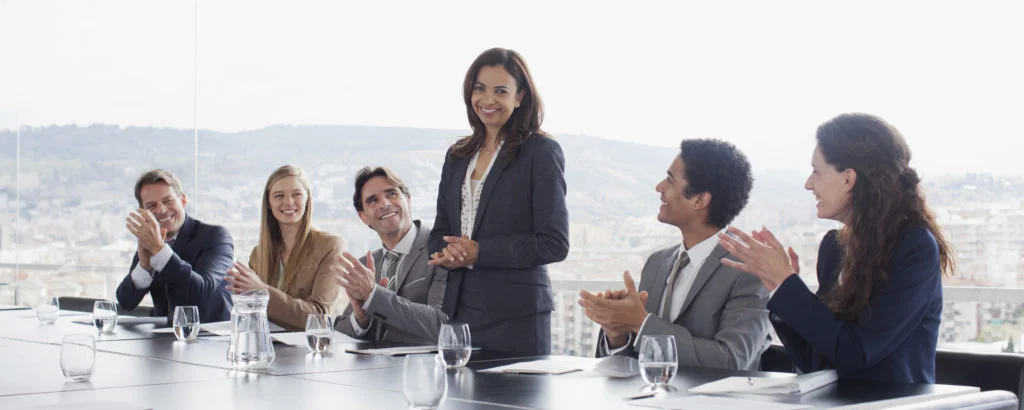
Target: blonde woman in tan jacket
{"points": [[292, 259]]}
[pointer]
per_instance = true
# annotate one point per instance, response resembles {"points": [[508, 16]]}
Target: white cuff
{"points": [[141, 277], [358, 330], [637, 341], [159, 260], [611, 352]]}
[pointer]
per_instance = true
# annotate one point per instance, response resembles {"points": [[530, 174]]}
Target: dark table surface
{"points": [[138, 369]]}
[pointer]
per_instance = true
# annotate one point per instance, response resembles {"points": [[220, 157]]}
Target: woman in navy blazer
{"points": [[876, 313], [501, 212]]}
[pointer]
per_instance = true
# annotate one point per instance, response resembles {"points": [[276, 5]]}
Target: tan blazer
{"points": [[314, 288]]}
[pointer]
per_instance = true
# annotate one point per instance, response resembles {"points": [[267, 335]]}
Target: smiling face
{"points": [[287, 199], [676, 209], [166, 204], [385, 208], [831, 188], [494, 96]]}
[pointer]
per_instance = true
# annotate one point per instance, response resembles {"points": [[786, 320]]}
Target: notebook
{"points": [[796, 384], [395, 351], [537, 367]]}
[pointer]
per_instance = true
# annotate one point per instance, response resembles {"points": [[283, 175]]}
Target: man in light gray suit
{"points": [[717, 313], [394, 294]]}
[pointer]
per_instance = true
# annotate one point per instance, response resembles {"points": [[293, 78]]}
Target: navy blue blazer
{"points": [[521, 225], [194, 276], [892, 340]]}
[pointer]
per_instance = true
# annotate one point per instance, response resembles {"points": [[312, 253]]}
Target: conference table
{"points": [[136, 368]]}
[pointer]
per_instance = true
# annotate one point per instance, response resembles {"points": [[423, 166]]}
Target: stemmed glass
{"points": [[658, 361]]}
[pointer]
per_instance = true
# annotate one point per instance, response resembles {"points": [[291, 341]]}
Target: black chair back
{"points": [[987, 371], [78, 304]]}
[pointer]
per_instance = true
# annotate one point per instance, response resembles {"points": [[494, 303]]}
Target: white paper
{"points": [[537, 367], [128, 320], [713, 403], [224, 328], [396, 351], [795, 384], [299, 338]]}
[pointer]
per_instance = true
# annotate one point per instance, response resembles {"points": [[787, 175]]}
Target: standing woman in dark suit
{"points": [[501, 212], [876, 312]]}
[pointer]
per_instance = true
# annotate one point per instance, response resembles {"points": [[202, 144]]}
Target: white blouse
{"points": [[471, 190]]}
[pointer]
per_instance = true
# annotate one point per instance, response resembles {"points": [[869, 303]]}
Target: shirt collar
{"points": [[405, 245], [699, 252]]}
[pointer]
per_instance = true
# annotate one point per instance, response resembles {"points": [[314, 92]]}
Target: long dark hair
{"points": [[886, 198], [525, 120]]}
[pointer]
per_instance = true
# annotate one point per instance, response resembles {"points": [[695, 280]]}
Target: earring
{"points": [[517, 105]]}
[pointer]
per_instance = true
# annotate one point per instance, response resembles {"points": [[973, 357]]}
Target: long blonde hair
{"points": [[268, 251]]}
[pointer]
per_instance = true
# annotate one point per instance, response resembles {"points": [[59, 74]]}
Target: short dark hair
{"points": [[368, 173], [157, 176], [719, 168]]}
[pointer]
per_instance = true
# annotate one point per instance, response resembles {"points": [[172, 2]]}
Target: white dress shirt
{"points": [[403, 248], [143, 278], [684, 281]]}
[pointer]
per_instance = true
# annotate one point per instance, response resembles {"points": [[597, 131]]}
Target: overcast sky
{"points": [[761, 74]]}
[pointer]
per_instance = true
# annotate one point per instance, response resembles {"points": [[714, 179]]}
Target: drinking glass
{"points": [[658, 361], [186, 323], [48, 310], [104, 316], [319, 332], [424, 381], [77, 355], [454, 344]]}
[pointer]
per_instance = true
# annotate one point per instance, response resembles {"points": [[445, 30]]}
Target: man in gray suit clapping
{"points": [[716, 313], [394, 294]]}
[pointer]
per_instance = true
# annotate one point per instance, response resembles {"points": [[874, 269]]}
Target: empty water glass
{"points": [[77, 356], [423, 381], [186, 323], [319, 332], [104, 316], [658, 361], [48, 310], [454, 344]]}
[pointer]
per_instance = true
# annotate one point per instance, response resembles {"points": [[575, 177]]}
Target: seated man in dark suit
{"points": [[180, 261], [716, 313], [398, 296]]}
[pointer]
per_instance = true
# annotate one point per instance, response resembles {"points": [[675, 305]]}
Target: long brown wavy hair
{"points": [[271, 243], [886, 198], [524, 122]]}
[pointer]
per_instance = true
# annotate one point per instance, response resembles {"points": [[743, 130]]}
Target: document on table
{"points": [[713, 403], [224, 328], [395, 351], [796, 384], [537, 367], [299, 338], [128, 320]]}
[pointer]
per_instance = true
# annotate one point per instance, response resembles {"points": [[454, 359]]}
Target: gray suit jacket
{"points": [[413, 314], [723, 322]]}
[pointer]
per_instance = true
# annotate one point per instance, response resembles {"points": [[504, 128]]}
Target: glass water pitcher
{"points": [[250, 347]]}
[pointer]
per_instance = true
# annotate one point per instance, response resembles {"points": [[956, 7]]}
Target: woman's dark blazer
{"points": [[893, 339], [521, 225]]}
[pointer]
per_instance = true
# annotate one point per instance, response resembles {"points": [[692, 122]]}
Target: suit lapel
{"points": [[378, 264], [712, 263], [188, 229], [485, 196], [658, 281], [415, 256], [455, 195]]}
